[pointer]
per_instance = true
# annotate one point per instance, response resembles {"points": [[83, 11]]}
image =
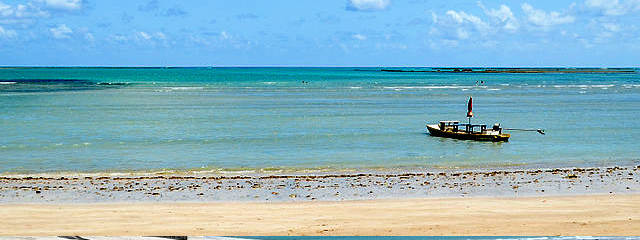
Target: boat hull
{"points": [[435, 131]]}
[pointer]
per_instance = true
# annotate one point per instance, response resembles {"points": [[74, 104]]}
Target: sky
{"points": [[513, 33]]}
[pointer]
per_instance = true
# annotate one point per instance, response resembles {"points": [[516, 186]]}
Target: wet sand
{"points": [[565, 215], [319, 186]]}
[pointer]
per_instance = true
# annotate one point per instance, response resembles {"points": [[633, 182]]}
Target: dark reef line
{"points": [[518, 70]]}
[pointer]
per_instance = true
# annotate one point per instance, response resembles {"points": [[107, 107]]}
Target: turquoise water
{"points": [[268, 118]]}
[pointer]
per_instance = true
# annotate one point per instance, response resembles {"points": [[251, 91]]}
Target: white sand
{"points": [[567, 215]]}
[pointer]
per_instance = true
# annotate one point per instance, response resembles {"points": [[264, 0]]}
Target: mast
{"points": [[469, 110]]}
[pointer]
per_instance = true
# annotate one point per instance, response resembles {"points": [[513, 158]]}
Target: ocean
{"points": [[293, 119]]}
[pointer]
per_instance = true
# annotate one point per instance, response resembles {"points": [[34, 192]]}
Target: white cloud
{"points": [[395, 46], [605, 32], [61, 31], [198, 40], [359, 36], [612, 27], [459, 25], [502, 15], [462, 17], [66, 5], [5, 10], [434, 17], [20, 13], [143, 35], [153, 38], [30, 12], [609, 7], [160, 35], [462, 34], [119, 38], [221, 39], [224, 35], [541, 18], [7, 33], [614, 7], [140, 37], [457, 17], [447, 43], [367, 5]]}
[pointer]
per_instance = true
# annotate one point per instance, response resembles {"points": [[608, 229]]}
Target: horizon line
{"points": [[292, 66]]}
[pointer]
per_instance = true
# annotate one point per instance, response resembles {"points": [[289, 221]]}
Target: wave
{"points": [[183, 88], [428, 87], [463, 88], [584, 86]]}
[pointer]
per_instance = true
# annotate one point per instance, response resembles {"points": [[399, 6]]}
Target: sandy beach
{"points": [[568, 201], [566, 215]]}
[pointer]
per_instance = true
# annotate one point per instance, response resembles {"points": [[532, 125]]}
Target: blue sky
{"points": [[320, 33]]}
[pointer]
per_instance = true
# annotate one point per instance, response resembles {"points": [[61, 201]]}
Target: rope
{"points": [[541, 131]]}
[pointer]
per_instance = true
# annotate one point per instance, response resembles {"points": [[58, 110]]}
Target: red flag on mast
{"points": [[469, 107]]}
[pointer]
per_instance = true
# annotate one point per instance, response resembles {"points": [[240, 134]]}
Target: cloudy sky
{"points": [[320, 33]]}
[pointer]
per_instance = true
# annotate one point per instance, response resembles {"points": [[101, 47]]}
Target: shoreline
{"points": [[319, 187], [304, 171], [560, 215]]}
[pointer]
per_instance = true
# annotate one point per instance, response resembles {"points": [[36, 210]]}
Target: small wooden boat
{"points": [[453, 129]]}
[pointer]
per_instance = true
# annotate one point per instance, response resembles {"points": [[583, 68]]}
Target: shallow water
{"points": [[268, 118]]}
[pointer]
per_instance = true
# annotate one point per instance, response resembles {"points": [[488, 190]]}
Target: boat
{"points": [[456, 130], [464, 131]]}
